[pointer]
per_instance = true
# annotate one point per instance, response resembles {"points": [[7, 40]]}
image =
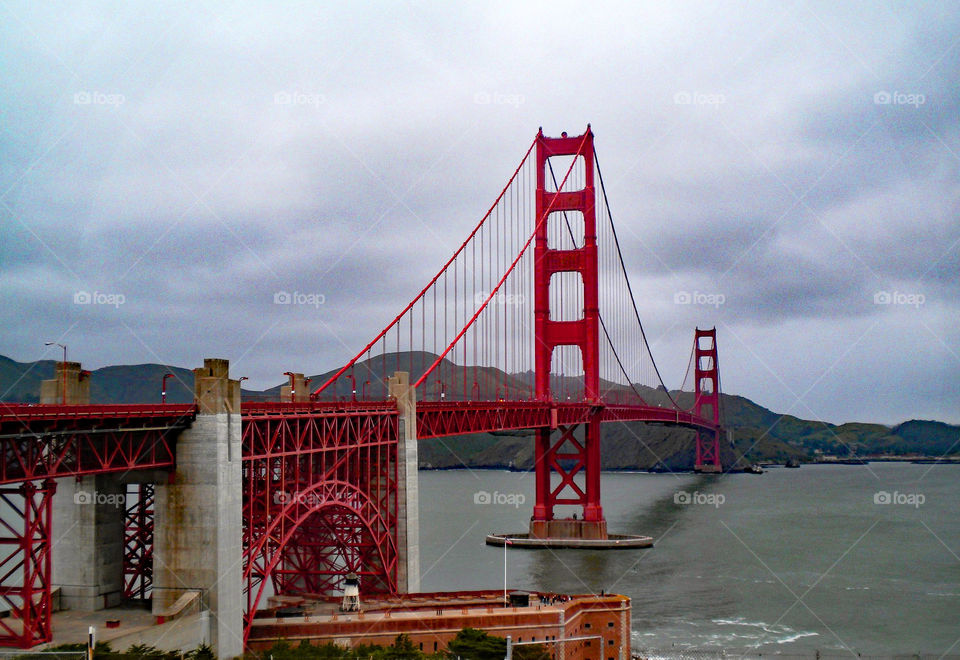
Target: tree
{"points": [[473, 644]]}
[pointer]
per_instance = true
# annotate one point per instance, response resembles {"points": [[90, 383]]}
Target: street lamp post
{"points": [[353, 386], [64, 369], [163, 388], [363, 390]]}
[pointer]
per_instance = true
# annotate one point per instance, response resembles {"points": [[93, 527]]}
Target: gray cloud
{"points": [[220, 156]]}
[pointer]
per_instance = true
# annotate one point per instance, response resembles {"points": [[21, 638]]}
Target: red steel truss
{"points": [[320, 500], [707, 402], [138, 542], [63, 441], [25, 563]]}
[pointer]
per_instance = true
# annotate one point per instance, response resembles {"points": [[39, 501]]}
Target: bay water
{"points": [[837, 559]]}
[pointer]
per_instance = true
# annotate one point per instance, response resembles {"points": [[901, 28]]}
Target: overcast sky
{"points": [[181, 163]]}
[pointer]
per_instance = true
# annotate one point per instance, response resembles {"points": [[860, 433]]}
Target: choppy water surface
{"points": [[862, 558]]}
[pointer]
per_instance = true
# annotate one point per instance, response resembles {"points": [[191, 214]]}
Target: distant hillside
{"points": [[129, 383], [759, 434]]}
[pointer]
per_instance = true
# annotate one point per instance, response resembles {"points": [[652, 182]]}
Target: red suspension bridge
{"points": [[531, 324]]}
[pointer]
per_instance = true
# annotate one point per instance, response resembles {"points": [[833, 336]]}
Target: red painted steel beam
{"points": [[27, 548], [320, 498], [436, 419], [37, 442]]}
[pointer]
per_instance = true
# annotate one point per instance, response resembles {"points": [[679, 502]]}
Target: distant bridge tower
{"points": [[583, 333], [707, 402]]}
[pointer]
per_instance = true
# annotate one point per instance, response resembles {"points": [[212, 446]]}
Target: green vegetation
{"points": [[469, 644], [102, 651]]}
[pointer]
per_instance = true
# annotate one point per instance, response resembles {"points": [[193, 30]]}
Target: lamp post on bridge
{"points": [[353, 386], [163, 388], [363, 391], [64, 368], [442, 387]]}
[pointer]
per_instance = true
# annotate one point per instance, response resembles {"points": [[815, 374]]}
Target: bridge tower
{"points": [[579, 454], [707, 402]]}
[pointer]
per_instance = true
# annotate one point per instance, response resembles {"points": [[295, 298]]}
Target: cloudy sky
{"points": [[180, 163]]}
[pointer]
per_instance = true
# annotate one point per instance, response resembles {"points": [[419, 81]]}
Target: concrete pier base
{"points": [[88, 542], [611, 542], [408, 484], [568, 529], [197, 537]]}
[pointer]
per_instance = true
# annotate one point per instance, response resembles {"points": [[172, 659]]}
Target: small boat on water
{"points": [[753, 469], [792, 463]]}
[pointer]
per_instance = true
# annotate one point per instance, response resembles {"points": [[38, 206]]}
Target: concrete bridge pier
{"points": [[408, 488], [300, 392], [87, 531], [87, 525], [197, 519], [68, 376]]}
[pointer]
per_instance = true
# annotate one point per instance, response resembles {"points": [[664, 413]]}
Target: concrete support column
{"points": [[87, 532], [300, 392], [197, 519], [71, 376], [408, 483]]}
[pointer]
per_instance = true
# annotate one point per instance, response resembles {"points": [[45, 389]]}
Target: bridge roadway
{"points": [[52, 441]]}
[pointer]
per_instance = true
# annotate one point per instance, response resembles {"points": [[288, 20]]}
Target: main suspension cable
{"points": [[623, 267]]}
